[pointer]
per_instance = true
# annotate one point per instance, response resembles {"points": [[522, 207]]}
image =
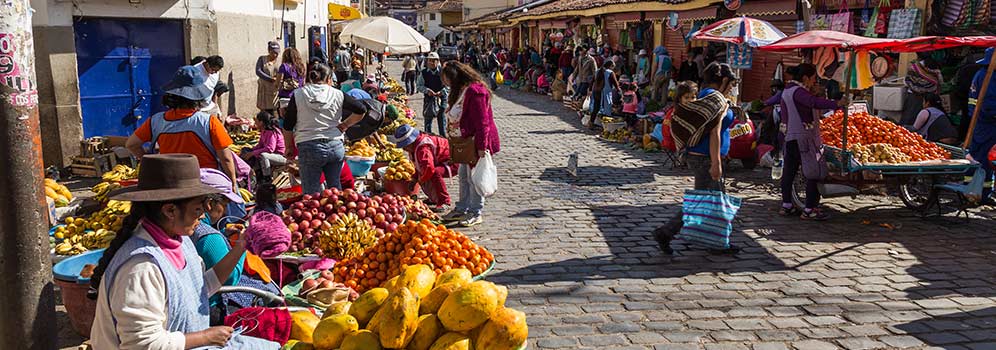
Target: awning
{"points": [[340, 12], [699, 14], [831, 38]]}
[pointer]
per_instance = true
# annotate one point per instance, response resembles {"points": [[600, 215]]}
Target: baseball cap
{"points": [[273, 45], [433, 56]]}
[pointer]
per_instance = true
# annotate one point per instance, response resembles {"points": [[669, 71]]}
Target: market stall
{"points": [[866, 152]]}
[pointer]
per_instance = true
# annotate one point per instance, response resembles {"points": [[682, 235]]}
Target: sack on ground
{"points": [[707, 217], [484, 176]]}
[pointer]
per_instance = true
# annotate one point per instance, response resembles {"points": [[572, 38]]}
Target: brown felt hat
{"points": [[166, 177]]}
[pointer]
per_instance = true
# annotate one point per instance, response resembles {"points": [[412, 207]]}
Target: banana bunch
{"points": [[102, 189], [120, 172], [620, 135], [81, 243], [248, 137], [384, 143], [348, 237], [400, 170], [393, 86], [58, 192], [361, 149], [109, 218], [246, 195], [390, 155], [390, 128]]}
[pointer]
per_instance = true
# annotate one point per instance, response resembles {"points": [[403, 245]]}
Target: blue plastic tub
{"points": [[360, 166], [69, 269]]}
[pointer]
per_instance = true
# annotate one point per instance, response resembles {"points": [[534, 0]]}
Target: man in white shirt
{"points": [[209, 68]]}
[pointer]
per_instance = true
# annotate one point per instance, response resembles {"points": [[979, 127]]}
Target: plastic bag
{"points": [[499, 79], [484, 176]]}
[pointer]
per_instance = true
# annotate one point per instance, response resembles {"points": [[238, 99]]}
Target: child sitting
{"points": [[559, 87], [543, 83]]}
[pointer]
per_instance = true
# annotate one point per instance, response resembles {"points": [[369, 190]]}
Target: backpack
{"points": [[372, 121]]}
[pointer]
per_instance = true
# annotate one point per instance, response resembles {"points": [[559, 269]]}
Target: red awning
{"points": [[826, 38], [830, 38]]}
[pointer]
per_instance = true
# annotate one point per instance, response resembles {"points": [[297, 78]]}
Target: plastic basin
{"points": [[359, 166]]}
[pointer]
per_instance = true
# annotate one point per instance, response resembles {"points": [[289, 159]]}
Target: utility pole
{"points": [[27, 318]]}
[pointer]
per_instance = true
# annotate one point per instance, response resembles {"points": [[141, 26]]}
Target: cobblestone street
{"points": [[578, 258]]}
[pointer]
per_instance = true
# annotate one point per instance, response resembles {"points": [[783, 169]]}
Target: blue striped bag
{"points": [[707, 217]]}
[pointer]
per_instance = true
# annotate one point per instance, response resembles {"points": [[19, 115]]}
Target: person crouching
{"points": [[431, 155]]}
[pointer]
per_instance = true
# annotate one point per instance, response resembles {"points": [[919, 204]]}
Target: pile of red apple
{"points": [[313, 213], [322, 281]]}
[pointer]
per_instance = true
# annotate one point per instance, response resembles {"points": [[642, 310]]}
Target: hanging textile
{"points": [[904, 23], [861, 66]]}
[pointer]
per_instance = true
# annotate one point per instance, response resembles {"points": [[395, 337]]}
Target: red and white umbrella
{"points": [[740, 30]]}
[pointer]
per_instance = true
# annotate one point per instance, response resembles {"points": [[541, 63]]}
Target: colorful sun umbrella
{"points": [[740, 30]]}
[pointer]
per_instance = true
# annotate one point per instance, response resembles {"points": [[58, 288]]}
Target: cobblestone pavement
{"points": [[578, 258]]}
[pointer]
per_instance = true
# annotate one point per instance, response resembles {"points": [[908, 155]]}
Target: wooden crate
{"points": [[93, 166]]}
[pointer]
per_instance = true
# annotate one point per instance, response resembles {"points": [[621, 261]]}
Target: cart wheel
{"points": [[799, 191], [918, 193]]}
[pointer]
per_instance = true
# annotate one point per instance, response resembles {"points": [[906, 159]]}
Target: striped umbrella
{"points": [[740, 30]]}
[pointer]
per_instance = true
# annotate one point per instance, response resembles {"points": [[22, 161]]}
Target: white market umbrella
{"points": [[384, 34]]}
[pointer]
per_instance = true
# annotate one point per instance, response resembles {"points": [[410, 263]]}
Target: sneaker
{"points": [[471, 221], [439, 209], [454, 216], [793, 211], [815, 215], [732, 250]]}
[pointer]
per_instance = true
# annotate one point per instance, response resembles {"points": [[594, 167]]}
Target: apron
{"points": [[814, 167]]}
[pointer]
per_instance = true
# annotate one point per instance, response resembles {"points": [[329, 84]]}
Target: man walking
{"points": [[585, 74], [430, 84], [341, 63]]}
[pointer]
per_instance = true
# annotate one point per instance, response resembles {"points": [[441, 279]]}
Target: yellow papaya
{"points": [[417, 278], [360, 340], [331, 331], [398, 319], [469, 306], [426, 333], [430, 304], [303, 325], [451, 341], [364, 307], [459, 276], [505, 330]]}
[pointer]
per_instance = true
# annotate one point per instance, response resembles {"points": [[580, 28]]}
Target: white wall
{"points": [[61, 12], [431, 27], [305, 13]]}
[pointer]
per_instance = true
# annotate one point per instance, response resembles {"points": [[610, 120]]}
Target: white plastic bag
{"points": [[484, 176]]}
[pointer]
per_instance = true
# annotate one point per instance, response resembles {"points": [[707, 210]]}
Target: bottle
{"points": [[776, 170]]}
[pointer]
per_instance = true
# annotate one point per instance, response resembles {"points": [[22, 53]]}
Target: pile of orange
{"points": [[415, 242], [865, 129]]}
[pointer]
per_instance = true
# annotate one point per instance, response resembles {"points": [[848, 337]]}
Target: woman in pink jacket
{"points": [[469, 115]]}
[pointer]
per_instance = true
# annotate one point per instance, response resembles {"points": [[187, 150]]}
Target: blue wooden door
{"points": [[122, 64]]}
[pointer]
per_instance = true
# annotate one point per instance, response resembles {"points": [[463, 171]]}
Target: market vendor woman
{"points": [[431, 155], [801, 125], [151, 287]]}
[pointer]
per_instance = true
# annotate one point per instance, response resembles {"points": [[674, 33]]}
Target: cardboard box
{"points": [[888, 98]]}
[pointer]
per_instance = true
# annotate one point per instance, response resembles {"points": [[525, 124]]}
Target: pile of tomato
{"points": [[865, 129]]}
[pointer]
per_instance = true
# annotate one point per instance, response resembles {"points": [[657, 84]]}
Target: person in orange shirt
{"points": [[184, 128]]}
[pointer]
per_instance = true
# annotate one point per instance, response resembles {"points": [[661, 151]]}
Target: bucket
{"points": [[80, 308], [74, 289]]}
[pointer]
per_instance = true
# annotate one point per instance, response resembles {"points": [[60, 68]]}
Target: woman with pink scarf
{"points": [[150, 285]]}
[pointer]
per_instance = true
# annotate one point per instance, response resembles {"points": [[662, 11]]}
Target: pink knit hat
{"points": [[267, 236]]}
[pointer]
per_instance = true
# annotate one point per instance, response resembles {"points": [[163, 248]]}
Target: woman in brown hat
{"points": [[151, 287]]}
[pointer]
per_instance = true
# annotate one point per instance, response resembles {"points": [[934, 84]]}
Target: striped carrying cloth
{"points": [[707, 217], [693, 119]]}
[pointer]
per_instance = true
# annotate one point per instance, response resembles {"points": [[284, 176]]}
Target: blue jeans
{"points": [[470, 201], [319, 157]]}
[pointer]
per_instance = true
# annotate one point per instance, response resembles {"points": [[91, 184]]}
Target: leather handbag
{"points": [[463, 150]]}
